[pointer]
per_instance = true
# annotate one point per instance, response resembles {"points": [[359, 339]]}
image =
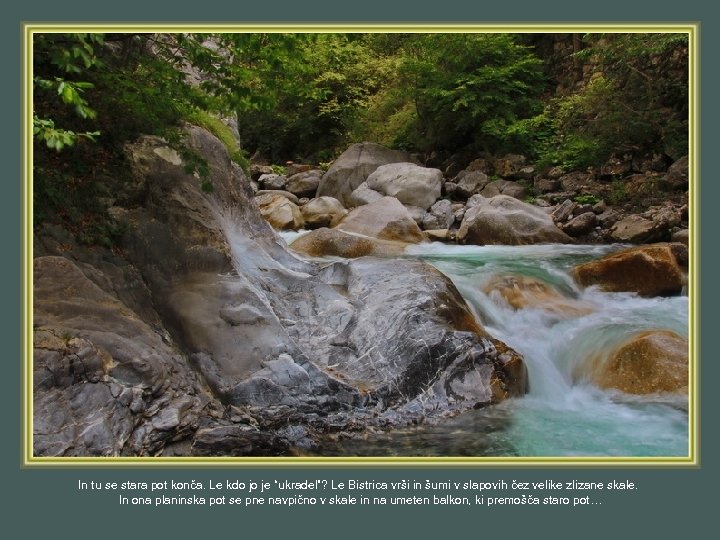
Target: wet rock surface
{"points": [[326, 242], [645, 363], [655, 270], [208, 337], [522, 292]]}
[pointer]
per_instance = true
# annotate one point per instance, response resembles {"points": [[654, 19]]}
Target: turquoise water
{"points": [[564, 414]]}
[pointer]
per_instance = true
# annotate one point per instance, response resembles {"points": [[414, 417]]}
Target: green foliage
{"points": [[312, 89], [57, 138], [637, 101], [619, 192], [586, 199], [57, 59], [72, 187], [309, 95], [456, 90]]}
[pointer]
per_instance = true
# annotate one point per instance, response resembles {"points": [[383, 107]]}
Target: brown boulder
{"points": [[332, 242], [521, 292], [280, 212], [509, 166], [470, 182], [649, 362], [655, 270], [581, 224], [322, 212]]}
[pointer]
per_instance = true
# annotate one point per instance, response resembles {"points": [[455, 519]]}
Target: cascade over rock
{"points": [[521, 292], [209, 337]]}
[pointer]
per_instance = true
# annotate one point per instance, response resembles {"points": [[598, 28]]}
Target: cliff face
{"points": [[203, 335]]}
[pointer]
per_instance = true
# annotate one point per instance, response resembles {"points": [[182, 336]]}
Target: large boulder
{"points": [[353, 167], [411, 184], [439, 354], [646, 363], [654, 270], [506, 220], [304, 184], [563, 211], [363, 195], [637, 230], [581, 224], [509, 166], [280, 212], [106, 383], [526, 292], [386, 219], [322, 212], [470, 182], [440, 216], [272, 181], [504, 187], [335, 243], [289, 196], [203, 334]]}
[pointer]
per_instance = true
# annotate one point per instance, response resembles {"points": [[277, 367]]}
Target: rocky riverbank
{"points": [[201, 334], [505, 200]]}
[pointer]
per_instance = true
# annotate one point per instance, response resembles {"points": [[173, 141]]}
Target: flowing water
{"points": [[564, 414]]}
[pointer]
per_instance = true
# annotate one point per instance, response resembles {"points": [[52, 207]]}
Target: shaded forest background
{"points": [[566, 100]]}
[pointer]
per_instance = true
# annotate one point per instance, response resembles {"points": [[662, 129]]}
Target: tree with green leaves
{"points": [[58, 61], [458, 90]]}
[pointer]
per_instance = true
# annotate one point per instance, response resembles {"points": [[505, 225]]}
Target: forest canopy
{"points": [[561, 99]]}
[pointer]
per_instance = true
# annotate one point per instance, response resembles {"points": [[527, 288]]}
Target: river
{"points": [[564, 414]]}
